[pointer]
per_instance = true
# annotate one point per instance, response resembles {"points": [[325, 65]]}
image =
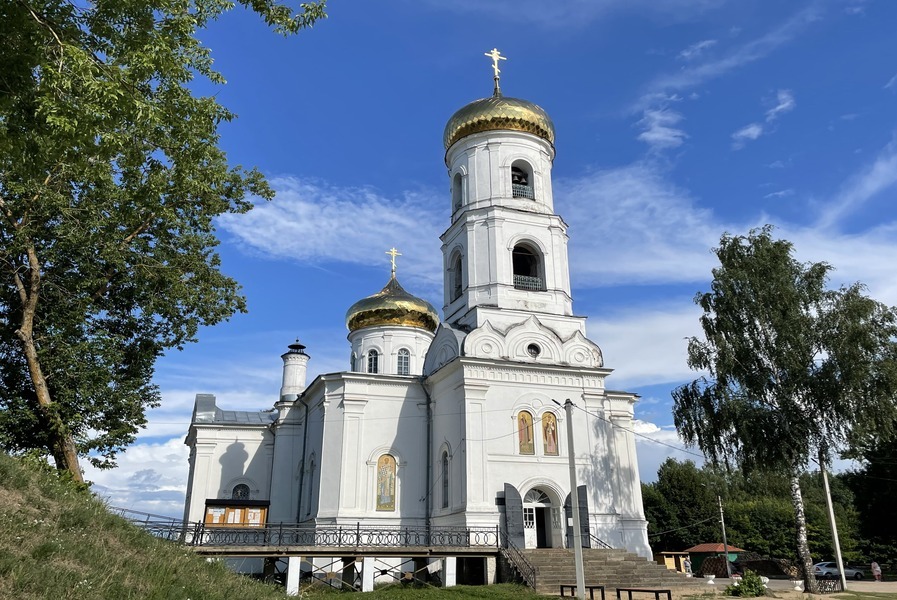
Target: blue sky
{"points": [[676, 120]]}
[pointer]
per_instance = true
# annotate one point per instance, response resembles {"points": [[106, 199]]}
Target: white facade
{"points": [[464, 426]]}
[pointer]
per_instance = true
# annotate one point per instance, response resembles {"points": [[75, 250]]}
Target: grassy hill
{"points": [[57, 541]]}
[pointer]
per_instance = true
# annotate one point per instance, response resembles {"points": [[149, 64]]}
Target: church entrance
{"points": [[539, 519]]}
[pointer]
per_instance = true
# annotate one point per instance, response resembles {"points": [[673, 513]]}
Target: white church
{"points": [[457, 422]]}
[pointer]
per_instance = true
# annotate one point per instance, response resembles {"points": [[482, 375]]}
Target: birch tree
{"points": [[793, 369]]}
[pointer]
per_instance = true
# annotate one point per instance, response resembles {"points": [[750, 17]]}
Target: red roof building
{"points": [[713, 548]]}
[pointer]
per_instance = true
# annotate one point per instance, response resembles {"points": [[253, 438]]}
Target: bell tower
{"points": [[505, 252]]}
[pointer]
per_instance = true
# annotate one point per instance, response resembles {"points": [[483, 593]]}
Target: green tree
{"points": [[794, 370], [110, 178]]}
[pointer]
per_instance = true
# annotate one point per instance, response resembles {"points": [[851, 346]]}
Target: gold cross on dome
{"points": [[496, 56], [393, 253]]}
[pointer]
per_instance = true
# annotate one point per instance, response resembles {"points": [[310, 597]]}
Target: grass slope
{"points": [[60, 542]]}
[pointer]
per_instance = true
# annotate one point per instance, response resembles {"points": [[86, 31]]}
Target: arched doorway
{"points": [[540, 518]]}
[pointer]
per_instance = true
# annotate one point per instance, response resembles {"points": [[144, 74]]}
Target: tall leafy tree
{"points": [[110, 179], [794, 370]]}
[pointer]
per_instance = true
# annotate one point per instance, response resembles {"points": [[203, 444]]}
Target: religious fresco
{"points": [[550, 434], [386, 483], [525, 433]]}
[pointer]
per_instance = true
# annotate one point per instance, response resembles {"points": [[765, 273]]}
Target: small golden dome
{"points": [[392, 306], [498, 112]]}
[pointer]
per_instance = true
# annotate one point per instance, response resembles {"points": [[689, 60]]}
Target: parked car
{"points": [[829, 570]]}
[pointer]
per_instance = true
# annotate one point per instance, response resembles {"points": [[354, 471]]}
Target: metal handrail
{"points": [[338, 536], [516, 559], [597, 542]]}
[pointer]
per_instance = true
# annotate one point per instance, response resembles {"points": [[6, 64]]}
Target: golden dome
{"points": [[392, 306], [498, 112]]}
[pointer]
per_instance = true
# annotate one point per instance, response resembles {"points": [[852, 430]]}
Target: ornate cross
{"points": [[496, 56], [393, 253]]}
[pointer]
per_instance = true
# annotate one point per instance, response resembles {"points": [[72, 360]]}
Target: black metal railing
{"points": [[518, 561], [357, 536], [597, 542], [525, 282], [522, 191]]}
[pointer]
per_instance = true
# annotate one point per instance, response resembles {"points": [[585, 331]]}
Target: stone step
{"points": [[610, 568]]}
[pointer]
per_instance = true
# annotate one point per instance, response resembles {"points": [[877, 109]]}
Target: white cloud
{"points": [[646, 344], [659, 129], [697, 49], [150, 478], [577, 12], [646, 229], [892, 83], [308, 221], [780, 194], [874, 179], [784, 103], [745, 54], [746, 133]]}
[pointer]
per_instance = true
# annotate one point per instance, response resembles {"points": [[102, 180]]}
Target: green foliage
{"points": [[795, 371], [750, 586], [874, 486], [110, 180]]}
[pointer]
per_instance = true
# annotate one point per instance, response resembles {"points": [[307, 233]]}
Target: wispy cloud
{"points": [[892, 83], [780, 194], [783, 103], [312, 221], [659, 129], [697, 49], [649, 229], [747, 133], [576, 12], [747, 53], [874, 179]]}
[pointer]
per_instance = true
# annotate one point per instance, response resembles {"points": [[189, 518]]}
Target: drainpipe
{"points": [[302, 467], [429, 454]]}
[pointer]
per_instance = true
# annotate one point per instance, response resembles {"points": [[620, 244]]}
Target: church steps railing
{"points": [[518, 562], [597, 542]]}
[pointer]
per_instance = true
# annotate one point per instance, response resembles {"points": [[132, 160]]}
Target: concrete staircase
{"points": [[610, 568]]}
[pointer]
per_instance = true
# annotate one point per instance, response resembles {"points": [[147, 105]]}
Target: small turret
{"points": [[295, 366]]}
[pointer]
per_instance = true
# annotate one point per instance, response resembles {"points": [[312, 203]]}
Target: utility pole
{"points": [[574, 502], [831, 519], [722, 521]]}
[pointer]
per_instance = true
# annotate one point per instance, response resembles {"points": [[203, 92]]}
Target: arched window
{"points": [[527, 264], [373, 362], [240, 492], [456, 274], [353, 362], [445, 480], [403, 362], [457, 183], [550, 434], [522, 180], [386, 483], [525, 433]]}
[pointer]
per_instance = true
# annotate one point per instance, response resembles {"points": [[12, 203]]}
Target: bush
{"points": [[751, 586]]}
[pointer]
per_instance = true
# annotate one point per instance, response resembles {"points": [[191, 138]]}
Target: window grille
{"points": [[373, 362]]}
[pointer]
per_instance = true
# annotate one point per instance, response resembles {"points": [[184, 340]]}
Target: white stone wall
{"points": [[225, 456], [387, 341]]}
